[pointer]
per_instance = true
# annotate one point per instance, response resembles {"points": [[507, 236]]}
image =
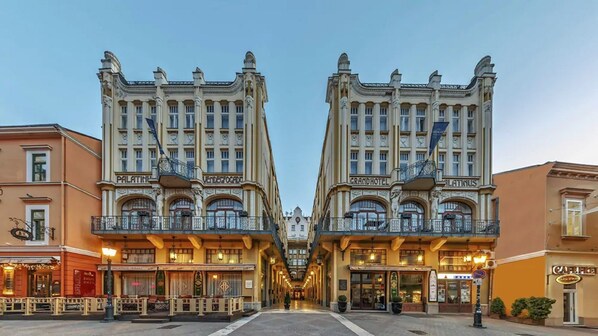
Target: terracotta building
{"points": [[549, 239], [48, 192]]}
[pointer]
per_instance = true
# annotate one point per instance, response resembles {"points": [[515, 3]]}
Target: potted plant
{"points": [[396, 305], [287, 301], [342, 303], [498, 309]]}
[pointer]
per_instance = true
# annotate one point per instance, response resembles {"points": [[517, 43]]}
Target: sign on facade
{"points": [[579, 270], [222, 179], [132, 179], [342, 285], [433, 287], [84, 283], [369, 181], [568, 279], [248, 284]]}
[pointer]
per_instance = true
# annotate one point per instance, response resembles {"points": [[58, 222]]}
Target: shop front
{"points": [[368, 291], [30, 276], [454, 293]]}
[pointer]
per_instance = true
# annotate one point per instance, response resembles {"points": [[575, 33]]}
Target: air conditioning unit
{"points": [[490, 264], [490, 254]]}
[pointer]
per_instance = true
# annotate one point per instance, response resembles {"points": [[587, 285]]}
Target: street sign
{"points": [[479, 274], [477, 282]]}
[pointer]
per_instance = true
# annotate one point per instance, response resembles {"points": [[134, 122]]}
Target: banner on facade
{"points": [[394, 285], [437, 130], [160, 283], [152, 129], [198, 284], [433, 286]]}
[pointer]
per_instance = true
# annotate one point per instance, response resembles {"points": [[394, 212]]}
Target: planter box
{"points": [[525, 320]]}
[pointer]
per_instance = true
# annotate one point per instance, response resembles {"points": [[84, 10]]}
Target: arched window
{"points": [[412, 216], [224, 214], [137, 214], [368, 215], [181, 212], [456, 217]]}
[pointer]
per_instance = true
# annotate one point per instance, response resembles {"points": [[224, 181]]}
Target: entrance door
{"points": [[569, 304], [454, 296], [368, 291], [41, 285]]}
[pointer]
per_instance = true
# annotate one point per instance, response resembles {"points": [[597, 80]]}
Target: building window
{"points": [[38, 223], [153, 113], [420, 156], [470, 164], [137, 209], [123, 160], [224, 214], [383, 118], [210, 116], [441, 115], [39, 167], [456, 122], [471, 120], [152, 155], [420, 120], [224, 160], [354, 118], [173, 116], [412, 257], [210, 161], [573, 218], [138, 160], [453, 261], [229, 256], [441, 160], [173, 154], [368, 118], [239, 109], [216, 284], [354, 156], [456, 217], [9, 280], [123, 116], [302, 227], [411, 287], [368, 215], [368, 162], [456, 159], [411, 217], [382, 163], [139, 283], [404, 119], [138, 116], [239, 161], [190, 160], [293, 227], [138, 256], [224, 115], [368, 257], [180, 255], [403, 160], [189, 116]]}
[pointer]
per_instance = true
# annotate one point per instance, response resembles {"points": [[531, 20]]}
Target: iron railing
{"points": [[166, 224], [173, 167], [420, 169], [412, 227]]}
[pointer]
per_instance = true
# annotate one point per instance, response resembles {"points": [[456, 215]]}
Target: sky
{"points": [[545, 54]]}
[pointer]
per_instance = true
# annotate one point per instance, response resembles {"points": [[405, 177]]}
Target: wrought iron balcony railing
{"points": [[173, 167], [169, 224], [420, 169], [411, 227]]}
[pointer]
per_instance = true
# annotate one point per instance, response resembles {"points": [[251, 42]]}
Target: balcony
{"points": [[173, 173], [410, 227], [177, 225], [418, 176]]}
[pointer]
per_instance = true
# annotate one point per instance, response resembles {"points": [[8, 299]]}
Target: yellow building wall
{"points": [[519, 279]]}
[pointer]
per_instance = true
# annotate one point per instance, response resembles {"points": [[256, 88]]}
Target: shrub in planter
{"points": [[539, 307], [342, 303], [498, 307], [287, 301], [396, 305], [518, 306]]}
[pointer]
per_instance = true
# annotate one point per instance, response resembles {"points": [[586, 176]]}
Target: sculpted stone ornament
{"points": [[395, 102], [435, 202], [344, 103], [198, 102], [198, 198], [159, 202], [249, 101], [395, 201]]}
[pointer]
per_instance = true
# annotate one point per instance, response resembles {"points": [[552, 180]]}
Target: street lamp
{"points": [[109, 253], [479, 259]]}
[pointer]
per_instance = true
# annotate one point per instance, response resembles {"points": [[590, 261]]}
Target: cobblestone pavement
{"points": [[301, 321]]}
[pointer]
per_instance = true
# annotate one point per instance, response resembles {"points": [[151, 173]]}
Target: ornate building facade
{"points": [[190, 197], [394, 215], [298, 227]]}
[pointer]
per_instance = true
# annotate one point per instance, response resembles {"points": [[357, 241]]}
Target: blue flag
{"points": [[437, 130], [152, 129]]}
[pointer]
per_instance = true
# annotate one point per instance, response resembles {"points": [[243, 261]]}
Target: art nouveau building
{"points": [[393, 218], [298, 227], [203, 217]]}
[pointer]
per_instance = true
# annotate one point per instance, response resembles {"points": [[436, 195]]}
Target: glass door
{"points": [[356, 291], [569, 303], [368, 291], [41, 285]]}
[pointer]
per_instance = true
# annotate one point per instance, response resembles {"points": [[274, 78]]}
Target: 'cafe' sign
{"points": [[579, 270]]}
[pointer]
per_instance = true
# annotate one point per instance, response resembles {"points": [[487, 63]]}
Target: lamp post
{"points": [[479, 261], [109, 253]]}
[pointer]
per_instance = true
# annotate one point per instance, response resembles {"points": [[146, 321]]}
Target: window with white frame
{"points": [[224, 160], [368, 162], [383, 118], [38, 217], [239, 161], [152, 156], [354, 160], [38, 166], [138, 116], [456, 120], [403, 160], [368, 118], [420, 156], [383, 163], [420, 119], [123, 160], [404, 119], [210, 116], [210, 160], [154, 113], [173, 116], [138, 160], [471, 120], [189, 116], [224, 115], [173, 154], [354, 118], [239, 110], [456, 159], [123, 116], [573, 218], [441, 160], [190, 160], [441, 115], [470, 164]]}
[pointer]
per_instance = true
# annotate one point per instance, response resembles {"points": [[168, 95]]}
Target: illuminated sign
{"points": [[568, 279], [579, 270]]}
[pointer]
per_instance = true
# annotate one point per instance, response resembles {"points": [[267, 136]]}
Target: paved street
{"points": [[303, 320]]}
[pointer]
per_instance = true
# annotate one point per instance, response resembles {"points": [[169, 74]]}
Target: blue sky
{"points": [[545, 54]]}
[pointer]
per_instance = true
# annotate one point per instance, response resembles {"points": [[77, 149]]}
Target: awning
{"points": [[29, 260], [178, 267], [382, 268]]}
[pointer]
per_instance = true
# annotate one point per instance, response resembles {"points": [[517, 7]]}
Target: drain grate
{"points": [[172, 326], [525, 334], [418, 332]]}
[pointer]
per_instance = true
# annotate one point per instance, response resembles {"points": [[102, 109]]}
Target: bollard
{"points": [[230, 307], [86, 303], [171, 307], [200, 302], [143, 307], [56, 302], [28, 307], [117, 307]]}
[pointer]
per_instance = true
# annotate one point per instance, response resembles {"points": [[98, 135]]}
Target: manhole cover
{"points": [[172, 326], [418, 332]]}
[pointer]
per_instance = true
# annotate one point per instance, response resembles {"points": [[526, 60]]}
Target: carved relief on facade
{"points": [[210, 138], [423, 195], [359, 192], [151, 140], [456, 142], [239, 137], [395, 201], [189, 139], [384, 140], [470, 195], [124, 138], [207, 192], [168, 193], [421, 141], [138, 138], [471, 142], [368, 140], [404, 141], [173, 138], [224, 138], [354, 140], [435, 201], [442, 142]]}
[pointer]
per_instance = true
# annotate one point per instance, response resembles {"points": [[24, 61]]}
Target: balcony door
{"points": [[368, 215], [181, 212], [456, 217], [137, 214], [224, 214]]}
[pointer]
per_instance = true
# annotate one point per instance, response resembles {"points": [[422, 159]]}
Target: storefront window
{"points": [[138, 256], [453, 261], [9, 280], [229, 256], [454, 291], [225, 284], [368, 257], [139, 283], [181, 255], [411, 287], [181, 283], [412, 257]]}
